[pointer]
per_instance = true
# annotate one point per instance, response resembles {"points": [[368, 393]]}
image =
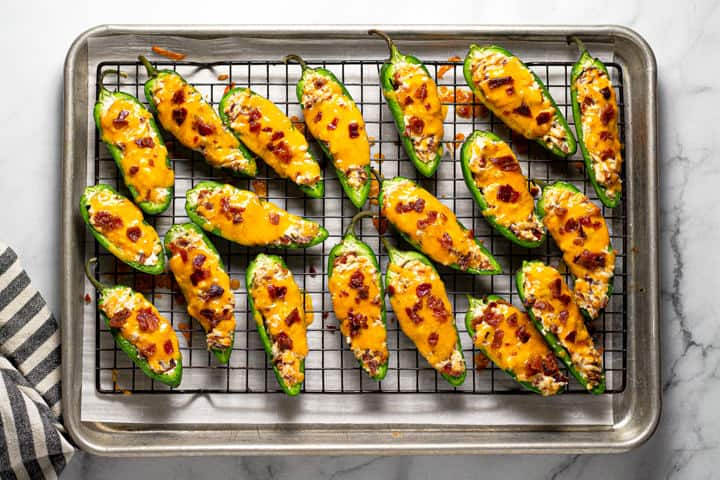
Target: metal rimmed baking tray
{"points": [[426, 419]]}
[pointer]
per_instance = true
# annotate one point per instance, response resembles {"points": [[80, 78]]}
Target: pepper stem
{"points": [[296, 58], [96, 283], [104, 74], [578, 42], [394, 53], [387, 245], [353, 222], [151, 71]]}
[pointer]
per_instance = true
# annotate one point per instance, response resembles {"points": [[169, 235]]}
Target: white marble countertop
{"points": [[34, 39]]}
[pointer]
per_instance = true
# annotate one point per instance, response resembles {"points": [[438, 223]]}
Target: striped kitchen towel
{"points": [[32, 441]]}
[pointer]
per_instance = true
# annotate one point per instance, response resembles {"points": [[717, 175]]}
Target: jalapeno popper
{"points": [[431, 227], [505, 335], [201, 275], [595, 110], [119, 226], [493, 175], [414, 102], [278, 307], [551, 308], [509, 89], [335, 121], [271, 135], [418, 298], [241, 217], [579, 229], [139, 330], [358, 297], [183, 112], [134, 141]]}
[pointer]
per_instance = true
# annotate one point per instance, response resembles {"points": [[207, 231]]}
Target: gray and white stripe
{"points": [[32, 444]]}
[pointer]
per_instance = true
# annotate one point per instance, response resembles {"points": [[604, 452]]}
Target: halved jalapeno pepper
{"points": [[579, 229], [414, 102], [505, 335], [509, 89], [493, 175], [271, 135], [549, 304], [431, 227], [201, 275], [139, 330], [135, 143], [119, 226], [278, 307], [421, 305], [183, 112], [358, 297]]}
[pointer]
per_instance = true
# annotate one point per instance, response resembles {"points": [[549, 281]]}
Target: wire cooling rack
{"points": [[330, 366]]}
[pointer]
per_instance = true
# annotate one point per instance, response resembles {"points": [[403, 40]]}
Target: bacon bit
{"points": [[277, 136], [415, 125], [148, 350], [214, 291], [523, 110], [229, 87], [556, 288], [119, 318], [571, 225], [421, 92], [512, 319], [282, 151], [412, 313], [179, 96], [120, 121], [199, 260], [133, 234], [534, 365], [318, 117], [481, 362], [198, 275], [356, 279], [506, 163], [579, 241], [507, 194], [590, 260], [423, 223], [543, 117], [587, 101], [145, 142], [561, 211], [438, 308], [543, 306], [293, 317], [319, 82], [522, 334], [333, 124], [408, 101], [423, 289], [284, 341], [87, 298], [260, 188], [222, 77], [204, 129], [390, 290], [276, 292], [498, 82], [433, 339], [168, 346], [497, 339], [147, 320], [106, 221], [234, 283], [605, 92], [274, 218], [607, 114], [179, 115], [570, 337], [185, 330], [133, 170], [563, 316], [446, 241], [168, 53], [380, 224], [353, 130], [356, 321]]}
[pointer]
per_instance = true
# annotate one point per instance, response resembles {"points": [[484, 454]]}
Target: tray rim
{"points": [[627, 433]]}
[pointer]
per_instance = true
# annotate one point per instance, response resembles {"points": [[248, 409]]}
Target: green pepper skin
{"points": [[107, 97], [469, 316], [540, 208], [467, 72], [350, 243], [251, 171], [496, 266], [402, 257], [358, 196], [191, 209], [221, 354], [386, 73], [156, 269], [550, 338], [260, 322], [465, 157], [315, 191], [584, 62]]}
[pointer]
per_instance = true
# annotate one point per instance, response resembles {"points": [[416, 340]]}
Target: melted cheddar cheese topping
{"points": [[270, 134], [205, 286], [420, 303], [184, 113], [279, 301], [599, 120], [497, 174], [513, 94], [423, 114], [425, 220], [358, 306], [140, 323], [550, 300], [580, 231], [508, 338], [127, 126], [122, 223], [240, 216], [336, 121]]}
